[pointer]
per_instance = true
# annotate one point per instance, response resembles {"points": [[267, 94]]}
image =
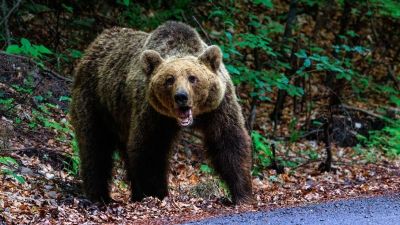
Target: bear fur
{"points": [[134, 91]]}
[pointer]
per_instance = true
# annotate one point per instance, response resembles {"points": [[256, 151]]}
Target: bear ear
{"points": [[212, 57], [150, 60]]}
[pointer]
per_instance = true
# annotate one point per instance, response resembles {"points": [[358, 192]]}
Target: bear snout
{"points": [[181, 98]]}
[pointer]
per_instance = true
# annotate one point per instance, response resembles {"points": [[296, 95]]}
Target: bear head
{"points": [[184, 87]]}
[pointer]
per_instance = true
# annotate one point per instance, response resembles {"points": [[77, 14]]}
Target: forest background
{"points": [[319, 83]]}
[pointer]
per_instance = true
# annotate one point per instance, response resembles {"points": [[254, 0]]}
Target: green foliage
{"points": [[244, 33], [206, 169], [343, 68], [40, 53], [63, 130], [262, 152], [313, 2], [266, 3], [135, 15], [294, 132], [6, 103], [73, 168], [37, 52], [43, 116], [311, 154], [386, 140], [75, 54], [264, 80], [9, 166], [263, 156], [389, 8], [124, 2]]}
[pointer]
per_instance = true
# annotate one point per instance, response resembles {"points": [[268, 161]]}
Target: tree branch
{"points": [[202, 30], [10, 12], [369, 113], [46, 70]]}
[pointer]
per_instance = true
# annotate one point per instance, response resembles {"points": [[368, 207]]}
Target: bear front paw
{"points": [[244, 200]]}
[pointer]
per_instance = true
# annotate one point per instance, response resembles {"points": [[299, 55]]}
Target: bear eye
{"points": [[192, 79], [169, 81]]}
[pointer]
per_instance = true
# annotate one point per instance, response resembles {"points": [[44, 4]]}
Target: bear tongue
{"points": [[185, 117]]}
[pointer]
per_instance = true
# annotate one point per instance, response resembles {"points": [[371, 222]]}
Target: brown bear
{"points": [[133, 91]]}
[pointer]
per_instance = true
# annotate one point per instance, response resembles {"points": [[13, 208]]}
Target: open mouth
{"points": [[185, 117]]}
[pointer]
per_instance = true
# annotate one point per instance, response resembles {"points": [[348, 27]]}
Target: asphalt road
{"points": [[363, 211]]}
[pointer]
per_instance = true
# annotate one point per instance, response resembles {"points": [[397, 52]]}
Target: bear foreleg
{"points": [[148, 151], [229, 149]]}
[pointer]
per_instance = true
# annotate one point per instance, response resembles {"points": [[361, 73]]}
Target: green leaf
{"points": [[217, 13], [64, 98], [229, 36], [232, 70], [266, 3], [205, 168], [351, 33], [76, 54], [342, 75], [43, 49], [395, 100], [307, 63], [360, 49], [25, 43], [13, 49], [126, 2], [36, 8], [8, 161], [18, 178], [39, 98], [18, 120], [68, 8], [317, 123], [301, 54]]}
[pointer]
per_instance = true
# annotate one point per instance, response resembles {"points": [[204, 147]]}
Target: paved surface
{"points": [[363, 211]]}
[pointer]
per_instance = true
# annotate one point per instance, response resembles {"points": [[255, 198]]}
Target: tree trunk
{"points": [[280, 101], [336, 85]]}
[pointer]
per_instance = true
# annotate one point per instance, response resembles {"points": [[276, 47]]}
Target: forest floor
{"points": [[41, 188]]}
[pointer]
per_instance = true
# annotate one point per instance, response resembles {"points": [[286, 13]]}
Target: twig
{"points": [[254, 99], [276, 114], [4, 10], [202, 30], [310, 133], [184, 17], [252, 117], [364, 111], [326, 166], [308, 162], [35, 149], [373, 27], [393, 77], [55, 74], [10, 12], [45, 69], [391, 109], [274, 165]]}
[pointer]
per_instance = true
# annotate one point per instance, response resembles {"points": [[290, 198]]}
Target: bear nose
{"points": [[181, 98]]}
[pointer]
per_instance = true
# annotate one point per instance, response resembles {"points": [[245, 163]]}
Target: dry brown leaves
{"points": [[52, 196]]}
